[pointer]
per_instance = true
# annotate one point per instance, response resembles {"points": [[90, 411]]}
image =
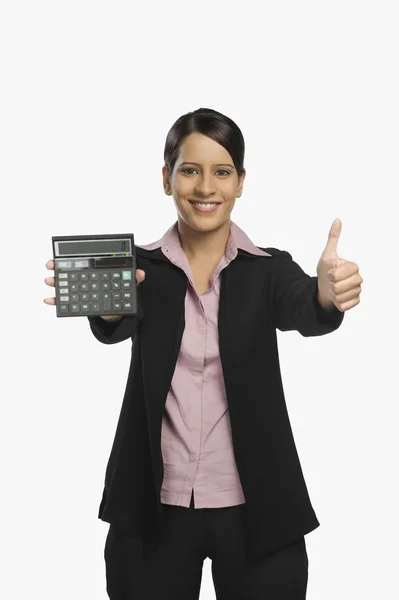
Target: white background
{"points": [[89, 91]]}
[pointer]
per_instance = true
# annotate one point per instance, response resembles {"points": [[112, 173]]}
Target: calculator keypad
{"points": [[95, 291]]}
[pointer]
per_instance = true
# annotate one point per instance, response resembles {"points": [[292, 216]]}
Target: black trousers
{"points": [[173, 569]]}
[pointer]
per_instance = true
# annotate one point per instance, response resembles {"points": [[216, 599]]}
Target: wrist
{"points": [[327, 305], [111, 317]]}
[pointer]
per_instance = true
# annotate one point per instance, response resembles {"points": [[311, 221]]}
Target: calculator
{"points": [[95, 275]]}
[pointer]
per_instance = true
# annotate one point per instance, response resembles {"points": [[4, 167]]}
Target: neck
{"points": [[203, 244]]}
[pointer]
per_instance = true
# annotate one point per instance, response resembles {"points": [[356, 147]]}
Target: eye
{"points": [[192, 169]]}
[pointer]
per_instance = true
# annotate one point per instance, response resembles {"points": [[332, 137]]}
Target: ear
{"points": [[166, 180], [241, 183]]}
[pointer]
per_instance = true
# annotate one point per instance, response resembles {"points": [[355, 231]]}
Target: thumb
{"points": [[332, 242]]}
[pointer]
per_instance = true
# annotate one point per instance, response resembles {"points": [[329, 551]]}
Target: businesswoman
{"points": [[204, 391]]}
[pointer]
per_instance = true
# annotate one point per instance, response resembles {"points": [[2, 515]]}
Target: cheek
{"points": [[183, 189], [231, 194], [230, 189]]}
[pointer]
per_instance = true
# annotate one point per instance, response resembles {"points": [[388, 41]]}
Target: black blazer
{"points": [[258, 294]]}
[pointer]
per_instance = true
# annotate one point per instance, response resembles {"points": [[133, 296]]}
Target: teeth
{"points": [[204, 204]]}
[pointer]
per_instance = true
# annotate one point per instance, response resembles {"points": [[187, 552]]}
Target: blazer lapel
{"points": [[162, 333]]}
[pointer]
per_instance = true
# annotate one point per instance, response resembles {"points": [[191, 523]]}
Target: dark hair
{"points": [[211, 123]]}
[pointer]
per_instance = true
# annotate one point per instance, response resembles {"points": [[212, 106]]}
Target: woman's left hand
{"points": [[339, 280]]}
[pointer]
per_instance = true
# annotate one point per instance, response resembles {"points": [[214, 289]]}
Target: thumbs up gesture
{"points": [[339, 280]]}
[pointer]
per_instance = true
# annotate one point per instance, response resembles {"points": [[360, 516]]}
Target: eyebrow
{"points": [[198, 165]]}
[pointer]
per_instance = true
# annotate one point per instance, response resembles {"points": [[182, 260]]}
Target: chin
{"points": [[207, 223]]}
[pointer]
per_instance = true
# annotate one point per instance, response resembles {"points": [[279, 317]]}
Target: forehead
{"points": [[200, 148]]}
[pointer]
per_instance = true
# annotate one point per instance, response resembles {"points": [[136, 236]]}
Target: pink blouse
{"points": [[196, 440]]}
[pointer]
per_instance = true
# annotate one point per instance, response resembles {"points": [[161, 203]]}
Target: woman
{"points": [[204, 463]]}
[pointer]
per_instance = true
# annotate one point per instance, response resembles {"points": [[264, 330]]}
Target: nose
{"points": [[205, 186]]}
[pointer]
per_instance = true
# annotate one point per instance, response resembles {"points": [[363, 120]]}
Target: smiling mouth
{"points": [[198, 202]]}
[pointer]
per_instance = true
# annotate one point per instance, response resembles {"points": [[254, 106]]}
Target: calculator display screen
{"points": [[93, 247]]}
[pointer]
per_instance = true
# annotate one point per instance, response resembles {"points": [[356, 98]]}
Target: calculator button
{"points": [[106, 286], [116, 285], [65, 264], [74, 276], [62, 284], [117, 306], [95, 307], [64, 308], [107, 301], [116, 275], [127, 295], [127, 305], [84, 276], [127, 285], [106, 276], [94, 276], [126, 274], [75, 308], [81, 264], [95, 296], [94, 286], [117, 296], [64, 298], [75, 287], [84, 297], [75, 297], [85, 307], [84, 287], [62, 275]]}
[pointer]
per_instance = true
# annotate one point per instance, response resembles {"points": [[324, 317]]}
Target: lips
{"points": [[208, 209], [196, 201]]}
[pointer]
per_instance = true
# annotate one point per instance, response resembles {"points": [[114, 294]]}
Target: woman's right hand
{"points": [[140, 276]]}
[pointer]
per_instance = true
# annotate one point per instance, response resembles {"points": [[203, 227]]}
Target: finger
{"points": [[50, 281], [349, 295], [50, 265], [50, 301], [346, 284], [140, 276]]}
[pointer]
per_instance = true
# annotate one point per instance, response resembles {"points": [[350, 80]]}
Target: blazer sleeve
{"points": [[295, 303], [112, 332]]}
